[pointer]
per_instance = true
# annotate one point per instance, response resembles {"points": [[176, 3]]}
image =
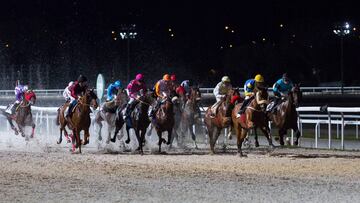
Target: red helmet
{"points": [[173, 77], [139, 77]]}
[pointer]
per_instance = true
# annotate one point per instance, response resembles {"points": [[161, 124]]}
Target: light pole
{"points": [[341, 30], [128, 32]]}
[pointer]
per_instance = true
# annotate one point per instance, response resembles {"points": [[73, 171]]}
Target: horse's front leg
{"points": [[298, 134], [193, 137], [169, 137], [32, 130], [13, 126], [86, 137], [127, 141], [267, 133]]}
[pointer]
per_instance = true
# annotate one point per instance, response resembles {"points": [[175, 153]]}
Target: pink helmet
{"points": [[139, 77]]}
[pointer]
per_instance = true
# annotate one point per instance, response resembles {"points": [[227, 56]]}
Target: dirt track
{"points": [[280, 176]]}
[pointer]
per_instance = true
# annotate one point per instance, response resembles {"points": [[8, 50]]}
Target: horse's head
{"points": [[296, 95], [90, 98], [121, 97], [195, 94], [262, 98]]}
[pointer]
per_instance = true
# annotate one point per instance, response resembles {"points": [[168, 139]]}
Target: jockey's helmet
{"points": [[82, 78], [117, 84], [173, 77], [259, 78], [166, 77], [225, 79], [70, 83], [285, 77], [139, 77], [25, 88]]}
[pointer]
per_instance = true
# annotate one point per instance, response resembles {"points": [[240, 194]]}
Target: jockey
{"points": [[135, 88], [67, 93], [186, 84], [19, 95], [249, 87], [163, 89], [281, 88], [77, 89], [112, 90], [220, 92]]}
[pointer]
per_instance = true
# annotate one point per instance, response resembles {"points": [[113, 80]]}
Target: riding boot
{"points": [[154, 110], [242, 108]]}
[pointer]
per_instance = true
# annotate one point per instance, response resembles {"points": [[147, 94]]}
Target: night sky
{"points": [[48, 43]]}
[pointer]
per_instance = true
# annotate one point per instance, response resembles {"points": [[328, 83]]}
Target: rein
{"points": [[139, 100]]}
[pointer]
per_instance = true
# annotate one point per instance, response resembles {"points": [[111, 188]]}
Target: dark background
{"points": [[48, 43]]}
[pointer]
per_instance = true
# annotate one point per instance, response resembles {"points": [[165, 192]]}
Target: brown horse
{"points": [[220, 121], [190, 114], [108, 113], [164, 120], [23, 116], [139, 119], [285, 116], [80, 119], [254, 116]]}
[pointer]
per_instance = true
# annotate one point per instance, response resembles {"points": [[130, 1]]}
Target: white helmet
{"points": [[70, 83], [25, 88]]}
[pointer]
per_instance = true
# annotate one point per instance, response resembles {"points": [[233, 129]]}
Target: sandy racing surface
{"points": [[53, 174]]}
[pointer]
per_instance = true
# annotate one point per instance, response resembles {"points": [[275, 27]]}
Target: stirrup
{"points": [[238, 115]]}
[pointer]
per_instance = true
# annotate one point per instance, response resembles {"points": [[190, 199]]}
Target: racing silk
{"points": [[180, 90], [163, 86], [186, 85], [221, 90], [19, 92], [249, 87], [281, 88], [134, 87], [111, 92], [76, 90], [67, 93]]}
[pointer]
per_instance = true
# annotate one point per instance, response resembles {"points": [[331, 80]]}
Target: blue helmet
{"points": [[117, 83]]}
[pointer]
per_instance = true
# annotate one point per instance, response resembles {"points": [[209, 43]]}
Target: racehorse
{"points": [[254, 116], [139, 119], [190, 114], [221, 120], [285, 116], [80, 119], [164, 120], [23, 115], [108, 113]]}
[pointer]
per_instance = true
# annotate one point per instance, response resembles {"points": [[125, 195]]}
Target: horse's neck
{"points": [[289, 103]]}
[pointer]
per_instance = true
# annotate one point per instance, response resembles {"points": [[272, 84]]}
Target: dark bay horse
{"points": [[221, 120], [139, 119], [254, 116], [285, 116], [108, 113], [164, 120], [80, 119], [23, 116], [190, 114]]}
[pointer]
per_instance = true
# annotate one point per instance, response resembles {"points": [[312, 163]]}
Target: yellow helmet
{"points": [[259, 78], [225, 79], [166, 77]]}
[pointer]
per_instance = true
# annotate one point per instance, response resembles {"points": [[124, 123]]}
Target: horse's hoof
{"points": [[16, 133], [212, 153], [257, 144], [23, 135], [31, 136], [59, 141], [240, 154], [168, 143], [99, 138], [113, 140], [127, 141], [230, 137], [296, 143]]}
